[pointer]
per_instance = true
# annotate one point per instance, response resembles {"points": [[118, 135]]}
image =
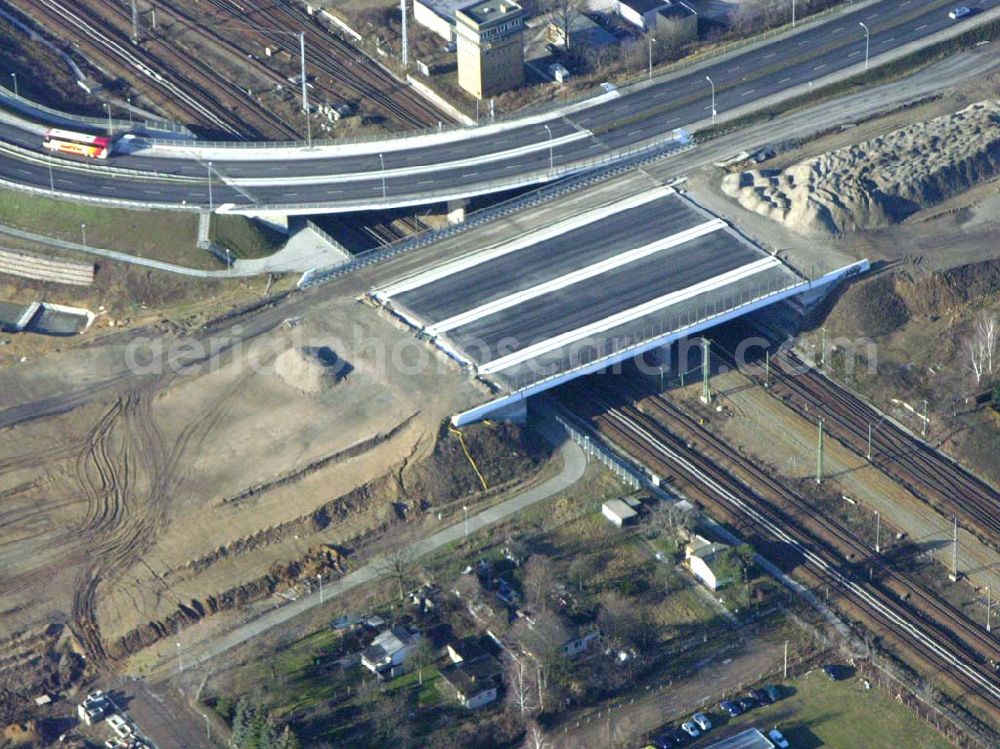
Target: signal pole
{"points": [[954, 556], [406, 46], [989, 610], [819, 454], [305, 89], [706, 367], [135, 23]]}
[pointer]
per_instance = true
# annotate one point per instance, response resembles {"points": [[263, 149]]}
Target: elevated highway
{"points": [[437, 167]]}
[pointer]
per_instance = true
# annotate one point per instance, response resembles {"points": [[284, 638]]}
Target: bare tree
{"points": [[981, 346], [544, 639], [520, 689], [535, 738], [389, 715], [400, 565], [671, 518], [539, 577], [561, 12], [421, 656]]}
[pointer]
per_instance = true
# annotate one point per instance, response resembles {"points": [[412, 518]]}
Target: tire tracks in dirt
{"points": [[129, 474]]}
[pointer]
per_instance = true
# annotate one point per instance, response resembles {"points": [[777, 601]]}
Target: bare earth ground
{"points": [[123, 496]]}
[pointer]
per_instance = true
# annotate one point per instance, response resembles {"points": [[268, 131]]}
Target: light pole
{"points": [[83, 232], [867, 40], [549, 131], [320, 578], [130, 123], [208, 728], [107, 106], [793, 14], [211, 203], [381, 161], [878, 532], [180, 658], [52, 179], [465, 509], [651, 40], [14, 78], [712, 84]]}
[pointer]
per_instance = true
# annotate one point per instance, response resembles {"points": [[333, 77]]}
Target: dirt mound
{"points": [[310, 370], [880, 305], [881, 181]]}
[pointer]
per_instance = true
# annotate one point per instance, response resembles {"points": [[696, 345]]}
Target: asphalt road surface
{"points": [[357, 176]]}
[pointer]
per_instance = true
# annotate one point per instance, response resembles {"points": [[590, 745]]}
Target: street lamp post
{"points": [[320, 578], [107, 107], [867, 42], [83, 232], [793, 14], [712, 84], [465, 509], [381, 161], [14, 78], [129, 101], [180, 658], [549, 131], [208, 728], [878, 532], [52, 179], [651, 41], [211, 202]]}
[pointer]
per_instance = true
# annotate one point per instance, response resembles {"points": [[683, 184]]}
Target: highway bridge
{"points": [[589, 291], [258, 179]]}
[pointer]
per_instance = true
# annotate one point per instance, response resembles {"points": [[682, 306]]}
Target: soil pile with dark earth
{"points": [[879, 182], [880, 305]]}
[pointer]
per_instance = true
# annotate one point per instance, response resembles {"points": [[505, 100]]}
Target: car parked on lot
{"points": [[731, 708], [777, 739], [761, 696], [663, 741], [772, 692], [960, 12], [703, 721], [691, 729], [832, 672]]}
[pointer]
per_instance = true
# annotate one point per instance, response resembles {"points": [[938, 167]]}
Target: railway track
{"points": [[118, 52], [336, 58], [209, 78], [649, 441], [925, 471], [950, 621]]}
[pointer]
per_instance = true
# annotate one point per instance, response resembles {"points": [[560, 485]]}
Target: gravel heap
{"points": [[879, 182]]}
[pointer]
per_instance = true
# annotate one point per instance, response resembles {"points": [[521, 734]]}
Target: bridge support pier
{"points": [[516, 413], [456, 210], [276, 221]]}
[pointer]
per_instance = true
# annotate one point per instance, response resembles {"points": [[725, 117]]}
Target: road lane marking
{"points": [[582, 274], [526, 240], [620, 318]]}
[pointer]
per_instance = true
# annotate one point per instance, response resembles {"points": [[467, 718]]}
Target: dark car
{"points": [[662, 741], [833, 672], [761, 696], [677, 736], [772, 692], [747, 703], [730, 708]]}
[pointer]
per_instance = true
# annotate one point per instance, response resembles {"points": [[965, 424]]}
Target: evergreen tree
{"points": [[243, 719]]}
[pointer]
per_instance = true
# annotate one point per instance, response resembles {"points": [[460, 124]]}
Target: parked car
{"points": [[761, 696], [960, 12], [663, 741], [691, 729], [747, 703], [832, 672], [772, 692], [702, 720], [777, 739], [731, 708]]}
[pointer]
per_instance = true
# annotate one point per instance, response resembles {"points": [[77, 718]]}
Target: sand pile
{"points": [[881, 181], [310, 369]]}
